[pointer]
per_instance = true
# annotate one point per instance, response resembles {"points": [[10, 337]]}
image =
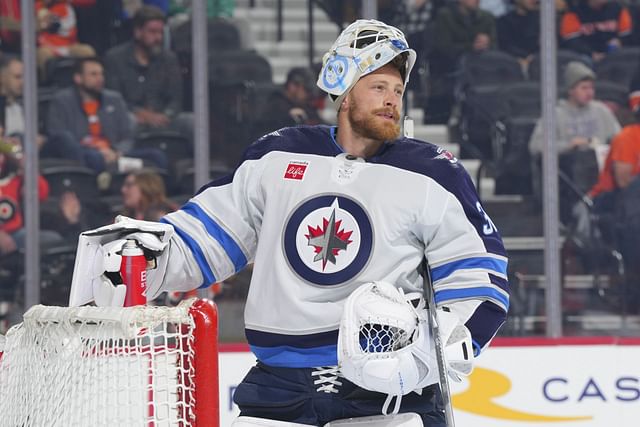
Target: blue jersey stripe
{"points": [[293, 357], [207, 274], [479, 292], [226, 241], [487, 263]]}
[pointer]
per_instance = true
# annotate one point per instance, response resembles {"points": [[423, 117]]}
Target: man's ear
{"points": [[344, 105]]}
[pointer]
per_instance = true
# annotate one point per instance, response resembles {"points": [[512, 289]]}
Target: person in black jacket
{"points": [[519, 31], [291, 105]]}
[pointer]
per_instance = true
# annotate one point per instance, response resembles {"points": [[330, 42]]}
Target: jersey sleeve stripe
{"points": [[493, 265], [207, 274], [489, 293], [233, 250], [294, 357]]}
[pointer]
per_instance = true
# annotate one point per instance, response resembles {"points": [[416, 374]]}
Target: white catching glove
{"points": [[98, 255], [458, 349]]}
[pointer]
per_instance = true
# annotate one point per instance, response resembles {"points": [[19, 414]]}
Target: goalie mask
{"points": [[384, 343], [362, 48]]}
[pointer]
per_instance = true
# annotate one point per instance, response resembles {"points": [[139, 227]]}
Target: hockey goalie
{"points": [[337, 221]]}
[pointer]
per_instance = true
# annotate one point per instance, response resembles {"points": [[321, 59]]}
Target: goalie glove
{"points": [[384, 343], [95, 273]]}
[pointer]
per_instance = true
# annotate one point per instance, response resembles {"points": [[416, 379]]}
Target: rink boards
{"points": [[521, 383]]}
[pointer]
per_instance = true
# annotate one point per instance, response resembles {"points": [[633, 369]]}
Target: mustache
{"points": [[392, 111]]}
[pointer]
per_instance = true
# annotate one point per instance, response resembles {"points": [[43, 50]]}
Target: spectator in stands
{"points": [[584, 126], [148, 76], [461, 28], [519, 31], [582, 121], [98, 119], [595, 27], [144, 196], [291, 105], [58, 144], [616, 199], [623, 161], [57, 32], [12, 232]]}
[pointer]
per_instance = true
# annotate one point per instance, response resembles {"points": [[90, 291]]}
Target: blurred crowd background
{"points": [[116, 127]]}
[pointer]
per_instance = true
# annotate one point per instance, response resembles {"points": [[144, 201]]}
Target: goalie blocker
{"points": [[96, 274]]}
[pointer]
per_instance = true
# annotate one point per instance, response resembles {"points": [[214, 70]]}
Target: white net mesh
{"points": [[380, 334], [99, 367]]}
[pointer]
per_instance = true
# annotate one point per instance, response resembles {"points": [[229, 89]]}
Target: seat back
{"points": [[63, 178], [563, 57], [492, 67], [619, 66], [521, 99], [222, 34], [59, 71]]}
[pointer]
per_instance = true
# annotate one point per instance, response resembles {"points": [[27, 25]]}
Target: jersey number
{"points": [[488, 227]]}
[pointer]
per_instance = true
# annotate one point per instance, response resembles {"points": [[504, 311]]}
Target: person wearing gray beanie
{"points": [[575, 72], [581, 120]]}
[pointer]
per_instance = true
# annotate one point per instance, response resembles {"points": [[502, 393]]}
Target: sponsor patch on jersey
{"points": [[296, 170], [446, 155], [328, 239]]}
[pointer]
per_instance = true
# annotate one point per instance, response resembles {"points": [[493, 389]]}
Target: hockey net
{"points": [[135, 366]]}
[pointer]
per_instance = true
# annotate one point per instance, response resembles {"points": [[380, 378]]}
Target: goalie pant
{"points": [[292, 395]]}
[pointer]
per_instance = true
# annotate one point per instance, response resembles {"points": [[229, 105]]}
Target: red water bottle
{"points": [[134, 274]]}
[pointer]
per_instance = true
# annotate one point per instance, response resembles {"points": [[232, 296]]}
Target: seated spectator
{"points": [[595, 27], [98, 119], [144, 196], [616, 196], [623, 158], [148, 76], [461, 27], [57, 32], [581, 120], [519, 31], [12, 232], [291, 105], [584, 126], [58, 144]]}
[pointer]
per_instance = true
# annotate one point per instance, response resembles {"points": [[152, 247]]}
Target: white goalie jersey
{"points": [[318, 223]]}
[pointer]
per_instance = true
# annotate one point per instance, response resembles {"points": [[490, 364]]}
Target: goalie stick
{"points": [[429, 295]]}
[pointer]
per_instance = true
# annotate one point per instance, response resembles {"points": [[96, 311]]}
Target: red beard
{"points": [[370, 125]]}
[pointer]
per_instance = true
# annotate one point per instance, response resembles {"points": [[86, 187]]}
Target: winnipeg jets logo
{"points": [[328, 239], [446, 155]]}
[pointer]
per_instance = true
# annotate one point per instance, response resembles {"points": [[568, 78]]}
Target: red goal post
{"points": [[103, 366]]}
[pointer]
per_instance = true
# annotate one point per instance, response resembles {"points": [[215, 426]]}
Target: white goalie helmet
{"points": [[363, 47], [384, 343]]}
